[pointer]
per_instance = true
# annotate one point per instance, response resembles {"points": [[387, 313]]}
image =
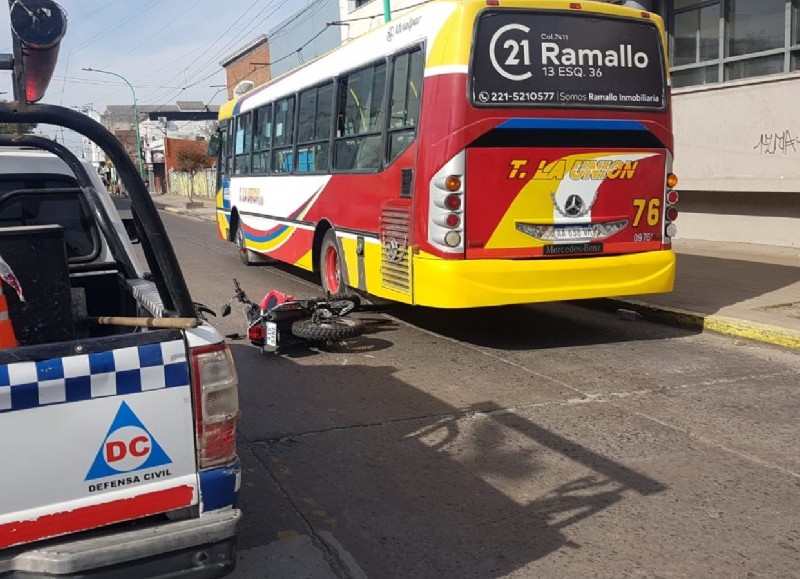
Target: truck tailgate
{"points": [[110, 422]]}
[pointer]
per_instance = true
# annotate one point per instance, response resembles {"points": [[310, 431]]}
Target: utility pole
{"points": [[135, 114], [387, 11]]}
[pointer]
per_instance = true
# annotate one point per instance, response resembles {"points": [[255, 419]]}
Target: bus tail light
{"points": [[453, 202], [452, 183], [672, 197], [446, 208], [453, 239], [672, 180], [672, 213], [216, 396]]}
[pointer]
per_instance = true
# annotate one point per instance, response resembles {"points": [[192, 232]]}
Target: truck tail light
{"points": [[216, 397]]}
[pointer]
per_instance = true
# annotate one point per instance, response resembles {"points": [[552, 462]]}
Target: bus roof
{"points": [[445, 26]]}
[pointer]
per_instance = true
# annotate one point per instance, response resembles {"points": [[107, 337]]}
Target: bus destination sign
{"points": [[540, 59]]}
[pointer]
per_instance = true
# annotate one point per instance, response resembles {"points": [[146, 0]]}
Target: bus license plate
{"points": [[573, 232], [272, 334]]}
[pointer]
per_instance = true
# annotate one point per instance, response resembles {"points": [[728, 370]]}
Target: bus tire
{"points": [[246, 256], [330, 264], [331, 330]]}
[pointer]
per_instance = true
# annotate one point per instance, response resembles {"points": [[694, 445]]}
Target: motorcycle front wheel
{"points": [[330, 330]]}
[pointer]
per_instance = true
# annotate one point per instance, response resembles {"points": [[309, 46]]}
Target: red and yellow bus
{"points": [[470, 153]]}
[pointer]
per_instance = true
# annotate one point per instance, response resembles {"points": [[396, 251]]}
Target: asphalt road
{"points": [[532, 441]]}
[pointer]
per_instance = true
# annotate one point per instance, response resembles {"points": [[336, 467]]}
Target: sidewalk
{"points": [[740, 289], [177, 204]]}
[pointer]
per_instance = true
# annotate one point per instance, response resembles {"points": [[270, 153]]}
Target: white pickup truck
{"points": [[118, 402], [118, 405]]}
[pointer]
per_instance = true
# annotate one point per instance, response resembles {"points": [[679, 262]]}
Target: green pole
{"points": [[135, 114], [387, 11]]}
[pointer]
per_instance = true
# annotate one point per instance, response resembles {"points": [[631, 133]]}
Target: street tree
{"points": [[191, 161]]}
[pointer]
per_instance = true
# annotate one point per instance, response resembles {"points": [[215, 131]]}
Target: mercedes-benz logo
{"points": [[395, 250], [574, 205]]}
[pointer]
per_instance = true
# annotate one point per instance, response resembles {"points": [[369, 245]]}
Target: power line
{"points": [[185, 55], [72, 79], [180, 14], [123, 22], [222, 36], [225, 49]]}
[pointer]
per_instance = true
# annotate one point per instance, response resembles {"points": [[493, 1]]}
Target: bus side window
{"points": [[361, 104], [282, 136], [262, 135], [243, 143], [314, 129], [226, 148], [405, 99]]}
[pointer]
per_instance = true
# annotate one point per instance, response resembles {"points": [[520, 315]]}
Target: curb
{"points": [[766, 333], [189, 212]]}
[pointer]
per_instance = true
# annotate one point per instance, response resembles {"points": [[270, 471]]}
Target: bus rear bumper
{"points": [[443, 283]]}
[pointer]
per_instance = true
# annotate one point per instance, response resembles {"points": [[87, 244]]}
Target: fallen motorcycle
{"points": [[279, 318]]}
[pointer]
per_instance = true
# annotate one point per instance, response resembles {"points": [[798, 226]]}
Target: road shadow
{"points": [[412, 486], [537, 326]]}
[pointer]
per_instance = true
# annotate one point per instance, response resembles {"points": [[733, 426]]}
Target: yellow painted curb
{"points": [[766, 333]]}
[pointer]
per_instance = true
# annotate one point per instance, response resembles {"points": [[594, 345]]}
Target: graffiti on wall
{"points": [[780, 143]]}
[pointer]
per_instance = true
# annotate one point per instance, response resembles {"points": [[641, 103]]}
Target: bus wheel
{"points": [[330, 264], [246, 256]]}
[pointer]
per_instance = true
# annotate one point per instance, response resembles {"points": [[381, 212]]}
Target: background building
{"points": [[736, 77], [160, 126], [249, 63], [303, 36]]}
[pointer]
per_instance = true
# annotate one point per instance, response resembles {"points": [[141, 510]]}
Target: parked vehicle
{"points": [[466, 154], [118, 402]]}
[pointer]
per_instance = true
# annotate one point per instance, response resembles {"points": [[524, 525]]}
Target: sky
{"points": [[168, 50]]}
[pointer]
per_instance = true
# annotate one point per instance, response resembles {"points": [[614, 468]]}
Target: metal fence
{"points": [[204, 183]]}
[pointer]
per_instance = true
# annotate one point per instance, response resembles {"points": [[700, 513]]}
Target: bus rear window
{"points": [[524, 59]]}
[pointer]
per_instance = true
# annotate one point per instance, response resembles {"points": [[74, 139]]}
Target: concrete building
{"points": [[736, 74], [89, 149], [305, 35]]}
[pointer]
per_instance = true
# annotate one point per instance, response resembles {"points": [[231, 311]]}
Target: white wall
{"points": [[360, 21], [739, 136]]}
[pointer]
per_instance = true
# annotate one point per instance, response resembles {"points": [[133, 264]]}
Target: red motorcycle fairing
{"points": [[273, 299]]}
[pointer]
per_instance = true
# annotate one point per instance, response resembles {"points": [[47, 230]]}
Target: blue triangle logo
{"points": [[127, 447]]}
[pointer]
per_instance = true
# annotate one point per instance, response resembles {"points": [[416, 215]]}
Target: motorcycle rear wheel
{"points": [[331, 330]]}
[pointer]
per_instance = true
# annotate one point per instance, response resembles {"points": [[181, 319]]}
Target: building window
{"points": [[356, 4], [720, 40]]}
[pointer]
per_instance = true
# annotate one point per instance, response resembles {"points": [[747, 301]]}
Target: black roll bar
{"points": [[177, 298], [86, 184]]}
